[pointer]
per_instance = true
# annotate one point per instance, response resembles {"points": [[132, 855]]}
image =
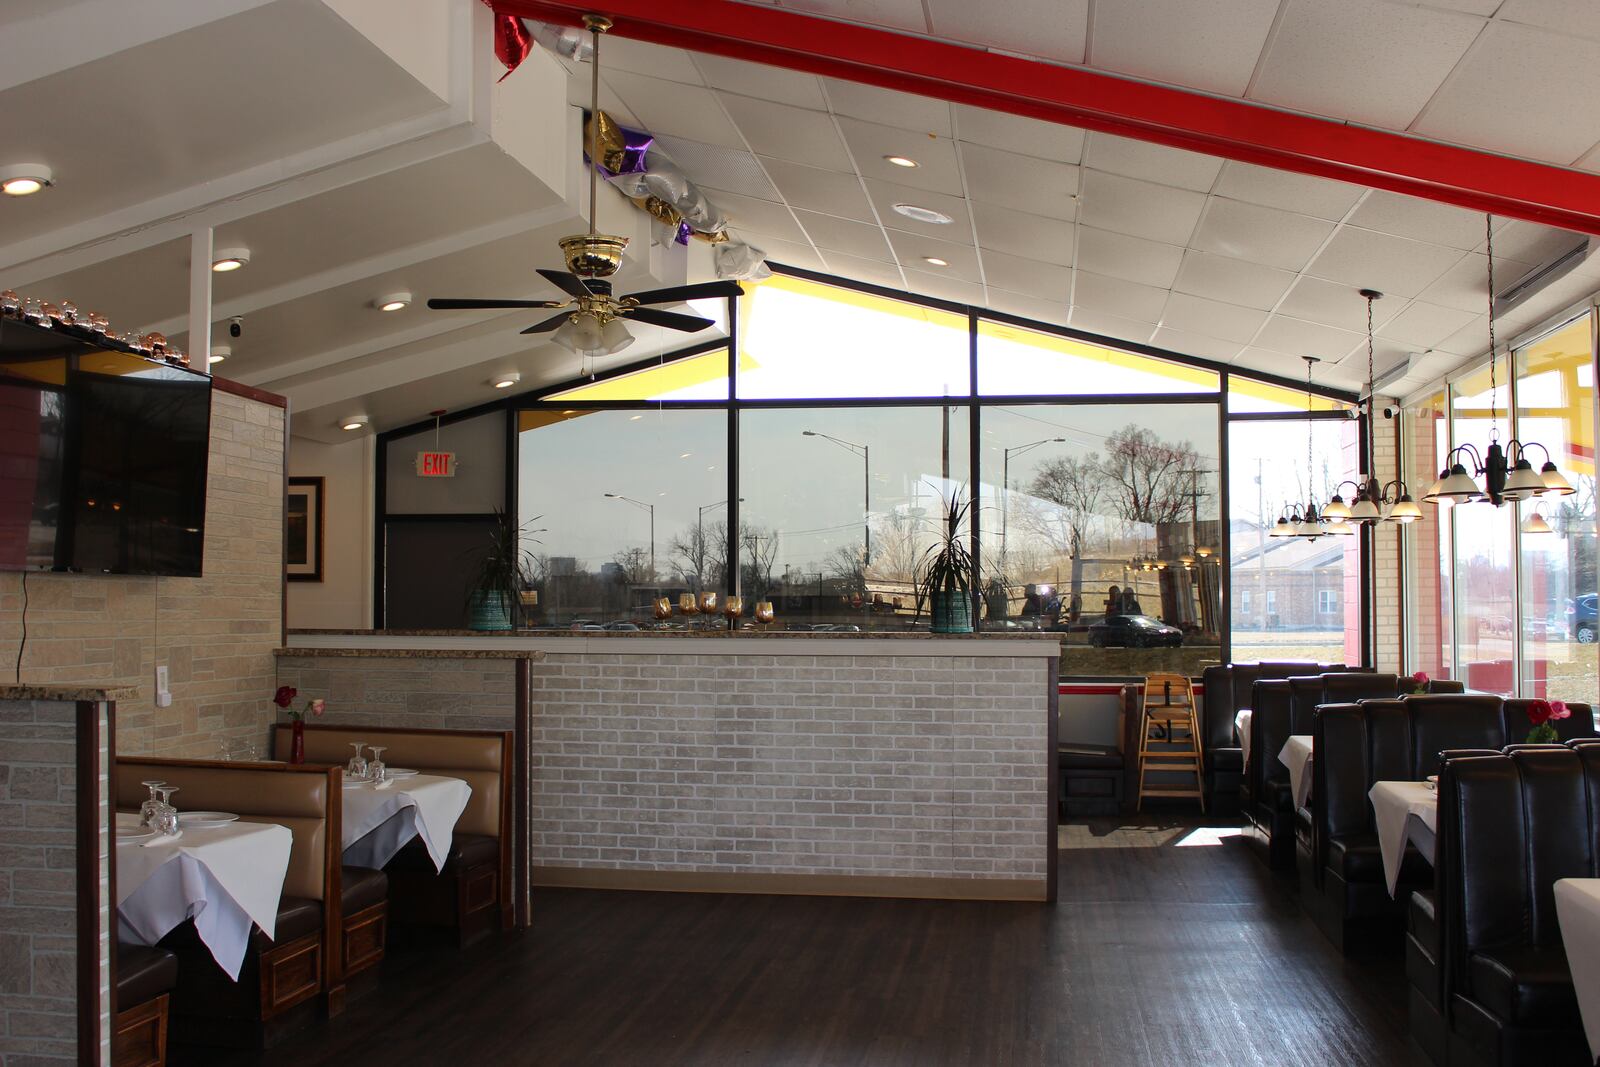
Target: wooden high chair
{"points": [[1170, 715]]}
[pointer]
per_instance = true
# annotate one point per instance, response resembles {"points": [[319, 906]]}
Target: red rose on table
{"points": [[284, 696], [1539, 712]]}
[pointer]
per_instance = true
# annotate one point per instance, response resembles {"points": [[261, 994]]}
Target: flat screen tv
{"points": [[102, 458]]}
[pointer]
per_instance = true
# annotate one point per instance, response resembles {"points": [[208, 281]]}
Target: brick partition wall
{"points": [[215, 633]]}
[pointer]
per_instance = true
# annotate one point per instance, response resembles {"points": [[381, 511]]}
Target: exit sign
{"points": [[436, 464]]}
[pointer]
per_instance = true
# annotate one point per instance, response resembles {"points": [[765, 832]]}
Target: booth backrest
{"points": [[303, 798], [1347, 687], [1230, 688], [1578, 725], [1441, 721], [481, 758], [1269, 730]]}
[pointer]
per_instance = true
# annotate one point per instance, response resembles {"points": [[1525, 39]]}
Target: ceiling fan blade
{"points": [[703, 291], [549, 324], [440, 303], [670, 319], [568, 283]]}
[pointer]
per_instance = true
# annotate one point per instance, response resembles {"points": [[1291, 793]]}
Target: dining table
{"points": [[1241, 730], [1296, 754], [381, 818], [1578, 912], [1405, 812], [225, 877]]}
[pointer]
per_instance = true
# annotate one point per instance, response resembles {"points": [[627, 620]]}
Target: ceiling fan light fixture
{"points": [[579, 335], [614, 337]]}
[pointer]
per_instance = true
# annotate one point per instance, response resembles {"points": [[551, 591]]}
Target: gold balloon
{"points": [[611, 149]]}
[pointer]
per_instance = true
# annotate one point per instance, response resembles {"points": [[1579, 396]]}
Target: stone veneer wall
{"points": [[1389, 641], [454, 694], [38, 885], [215, 633]]}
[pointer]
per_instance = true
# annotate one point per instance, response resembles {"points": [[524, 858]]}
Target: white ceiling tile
{"points": [[1300, 338], [1471, 7], [889, 108], [864, 270], [1029, 276], [794, 255], [638, 57], [1367, 61], [791, 133], [941, 287], [820, 190], [1391, 265], [1212, 318], [1471, 340], [1260, 234], [1052, 29], [1578, 17], [1132, 258], [1284, 365], [1336, 304], [1111, 326], [1204, 44], [1465, 285], [578, 96], [912, 249], [1517, 243], [1420, 220], [1029, 307], [885, 195], [1018, 233], [1194, 344], [860, 239], [1301, 193], [1113, 296], [896, 14], [937, 168], [1140, 209], [759, 80], [732, 169], [1424, 326], [1232, 281], [1021, 183], [1151, 162], [1017, 133], [1503, 95], [748, 213], [681, 110]]}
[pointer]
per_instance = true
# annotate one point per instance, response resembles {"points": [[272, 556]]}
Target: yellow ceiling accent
{"points": [[1199, 377], [653, 383]]}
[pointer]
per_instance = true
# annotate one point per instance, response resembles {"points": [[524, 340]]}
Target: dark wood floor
{"points": [[1158, 952]]}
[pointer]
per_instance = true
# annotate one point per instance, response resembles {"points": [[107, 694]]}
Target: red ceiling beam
{"points": [[1073, 96]]}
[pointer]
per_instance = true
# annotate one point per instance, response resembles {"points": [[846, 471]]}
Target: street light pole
{"points": [[866, 491], [651, 508], [1005, 483]]}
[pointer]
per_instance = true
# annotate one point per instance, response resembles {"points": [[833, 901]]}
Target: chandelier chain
{"points": [[1372, 397], [1488, 226]]}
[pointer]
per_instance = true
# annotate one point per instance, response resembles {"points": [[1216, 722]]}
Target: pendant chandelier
{"points": [[1373, 503], [1303, 520], [1506, 472]]}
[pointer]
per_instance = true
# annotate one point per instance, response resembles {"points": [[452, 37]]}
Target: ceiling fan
{"points": [[591, 320]]}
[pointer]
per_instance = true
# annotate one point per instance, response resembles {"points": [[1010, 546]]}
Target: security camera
{"points": [[236, 326], [1390, 411]]}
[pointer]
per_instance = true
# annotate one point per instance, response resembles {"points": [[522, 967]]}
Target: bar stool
{"points": [[1175, 747]]}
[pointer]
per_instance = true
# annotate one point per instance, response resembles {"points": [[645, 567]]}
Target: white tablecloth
{"points": [[1296, 756], [379, 821], [1241, 727], [1404, 811], [1578, 908], [224, 878]]}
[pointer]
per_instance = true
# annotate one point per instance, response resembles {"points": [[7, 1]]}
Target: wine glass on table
{"points": [[167, 819], [152, 806], [375, 767], [357, 767]]}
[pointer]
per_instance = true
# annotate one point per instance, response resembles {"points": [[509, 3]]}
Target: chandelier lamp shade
{"points": [[1506, 472]]}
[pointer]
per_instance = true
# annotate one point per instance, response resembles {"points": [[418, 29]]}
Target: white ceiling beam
{"points": [[71, 35]]}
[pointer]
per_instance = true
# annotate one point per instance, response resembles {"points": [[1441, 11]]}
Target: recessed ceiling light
{"points": [[924, 214], [902, 161], [354, 422], [24, 179], [392, 302], [220, 353], [505, 381], [230, 259], [936, 261]]}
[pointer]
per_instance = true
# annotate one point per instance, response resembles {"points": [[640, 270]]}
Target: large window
{"points": [[1293, 598], [1430, 559]]}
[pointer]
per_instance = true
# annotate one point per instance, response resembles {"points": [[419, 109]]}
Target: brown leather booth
{"points": [[142, 983], [283, 976], [1227, 690], [473, 893]]}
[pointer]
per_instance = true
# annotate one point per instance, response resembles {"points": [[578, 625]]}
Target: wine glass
{"points": [[375, 766], [167, 818], [357, 767], [149, 809]]}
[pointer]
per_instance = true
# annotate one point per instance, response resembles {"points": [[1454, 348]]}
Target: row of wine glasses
{"points": [[157, 813], [372, 770]]}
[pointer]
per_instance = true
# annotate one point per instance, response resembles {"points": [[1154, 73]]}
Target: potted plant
{"points": [[501, 574], [945, 576]]}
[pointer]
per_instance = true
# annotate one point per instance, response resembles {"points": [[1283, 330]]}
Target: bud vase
{"points": [[297, 742]]}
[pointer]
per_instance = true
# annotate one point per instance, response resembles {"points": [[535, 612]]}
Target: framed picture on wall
{"points": [[302, 534]]}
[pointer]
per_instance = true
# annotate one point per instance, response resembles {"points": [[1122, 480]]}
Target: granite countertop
{"points": [[68, 691], [898, 635], [414, 653]]}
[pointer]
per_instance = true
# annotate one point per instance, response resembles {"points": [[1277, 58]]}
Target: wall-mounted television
{"points": [[102, 458]]}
